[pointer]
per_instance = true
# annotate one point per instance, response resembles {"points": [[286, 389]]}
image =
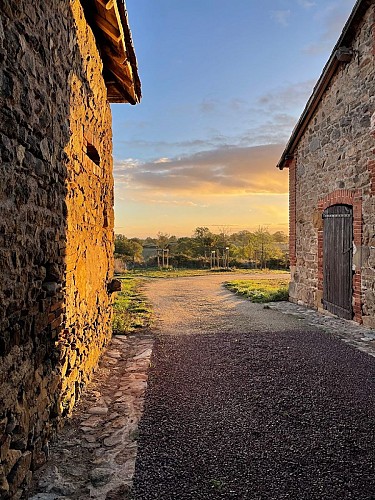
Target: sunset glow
{"points": [[223, 86]]}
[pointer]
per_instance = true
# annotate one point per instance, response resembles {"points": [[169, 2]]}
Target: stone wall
{"points": [[56, 225], [335, 155]]}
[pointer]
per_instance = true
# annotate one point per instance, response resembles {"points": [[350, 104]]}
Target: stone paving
{"points": [[94, 456], [349, 332]]}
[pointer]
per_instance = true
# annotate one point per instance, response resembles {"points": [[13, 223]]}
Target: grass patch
{"points": [[181, 273], [167, 273], [260, 290], [131, 310]]}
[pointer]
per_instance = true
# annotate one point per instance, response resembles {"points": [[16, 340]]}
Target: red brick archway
{"points": [[353, 198]]}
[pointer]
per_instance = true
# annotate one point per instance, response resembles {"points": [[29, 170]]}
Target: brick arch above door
{"points": [[354, 199]]}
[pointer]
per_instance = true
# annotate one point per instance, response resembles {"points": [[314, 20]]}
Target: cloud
{"points": [[176, 203], [275, 130], [163, 160], [142, 144], [306, 4], [269, 119], [238, 104], [288, 96], [268, 123], [281, 16], [333, 19], [208, 105], [221, 171]]}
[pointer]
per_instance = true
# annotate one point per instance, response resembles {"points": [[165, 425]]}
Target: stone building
{"points": [[62, 62], [331, 161]]}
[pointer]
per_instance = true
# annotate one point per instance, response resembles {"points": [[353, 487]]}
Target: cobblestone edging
{"points": [[349, 332], [94, 456]]}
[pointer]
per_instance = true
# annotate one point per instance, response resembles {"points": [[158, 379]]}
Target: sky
{"points": [[223, 85]]}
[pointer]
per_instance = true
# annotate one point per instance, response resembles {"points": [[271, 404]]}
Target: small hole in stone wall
{"points": [[92, 153]]}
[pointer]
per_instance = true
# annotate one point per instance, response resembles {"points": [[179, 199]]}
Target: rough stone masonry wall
{"points": [[334, 156], [55, 225]]}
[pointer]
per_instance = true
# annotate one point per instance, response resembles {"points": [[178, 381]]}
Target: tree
{"points": [[129, 250], [162, 239], [280, 237], [136, 240], [120, 243], [241, 247], [205, 240], [265, 247], [135, 251], [149, 241], [187, 246]]}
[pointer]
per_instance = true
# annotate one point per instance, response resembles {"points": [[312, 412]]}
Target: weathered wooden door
{"points": [[338, 260]]}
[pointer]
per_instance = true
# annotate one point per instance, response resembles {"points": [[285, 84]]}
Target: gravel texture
{"points": [[247, 403]]}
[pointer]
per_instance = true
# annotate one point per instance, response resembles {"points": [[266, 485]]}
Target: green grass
{"points": [[130, 310], [166, 273], [260, 290], [180, 273]]}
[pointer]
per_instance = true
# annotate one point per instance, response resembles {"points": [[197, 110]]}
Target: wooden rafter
{"points": [[108, 28], [107, 4]]}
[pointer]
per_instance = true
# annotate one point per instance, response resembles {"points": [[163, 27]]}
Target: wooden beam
{"points": [[117, 93], [107, 4], [110, 30], [115, 53], [120, 74]]}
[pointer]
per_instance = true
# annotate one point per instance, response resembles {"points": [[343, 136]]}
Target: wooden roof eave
{"points": [[110, 25], [121, 72], [322, 84], [130, 48]]}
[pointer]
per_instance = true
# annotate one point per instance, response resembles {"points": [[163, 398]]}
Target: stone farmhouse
{"points": [[331, 161], [62, 63]]}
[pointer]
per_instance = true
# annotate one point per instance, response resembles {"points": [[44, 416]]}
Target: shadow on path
{"points": [[257, 416]]}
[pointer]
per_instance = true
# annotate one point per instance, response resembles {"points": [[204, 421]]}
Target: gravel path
{"points": [[246, 403]]}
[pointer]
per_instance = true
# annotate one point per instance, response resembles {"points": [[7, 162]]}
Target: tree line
{"points": [[258, 249]]}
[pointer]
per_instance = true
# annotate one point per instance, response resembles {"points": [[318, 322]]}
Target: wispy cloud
{"points": [[306, 4], [209, 105], [275, 130], [281, 16], [333, 19], [151, 145], [287, 96], [171, 202], [222, 171], [267, 118], [163, 160]]}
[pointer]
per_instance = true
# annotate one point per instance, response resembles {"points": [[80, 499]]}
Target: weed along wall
{"points": [[56, 215]]}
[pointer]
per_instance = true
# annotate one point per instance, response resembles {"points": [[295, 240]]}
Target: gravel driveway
{"points": [[247, 403]]}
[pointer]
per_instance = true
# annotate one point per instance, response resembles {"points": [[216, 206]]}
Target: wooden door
{"points": [[338, 260]]}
